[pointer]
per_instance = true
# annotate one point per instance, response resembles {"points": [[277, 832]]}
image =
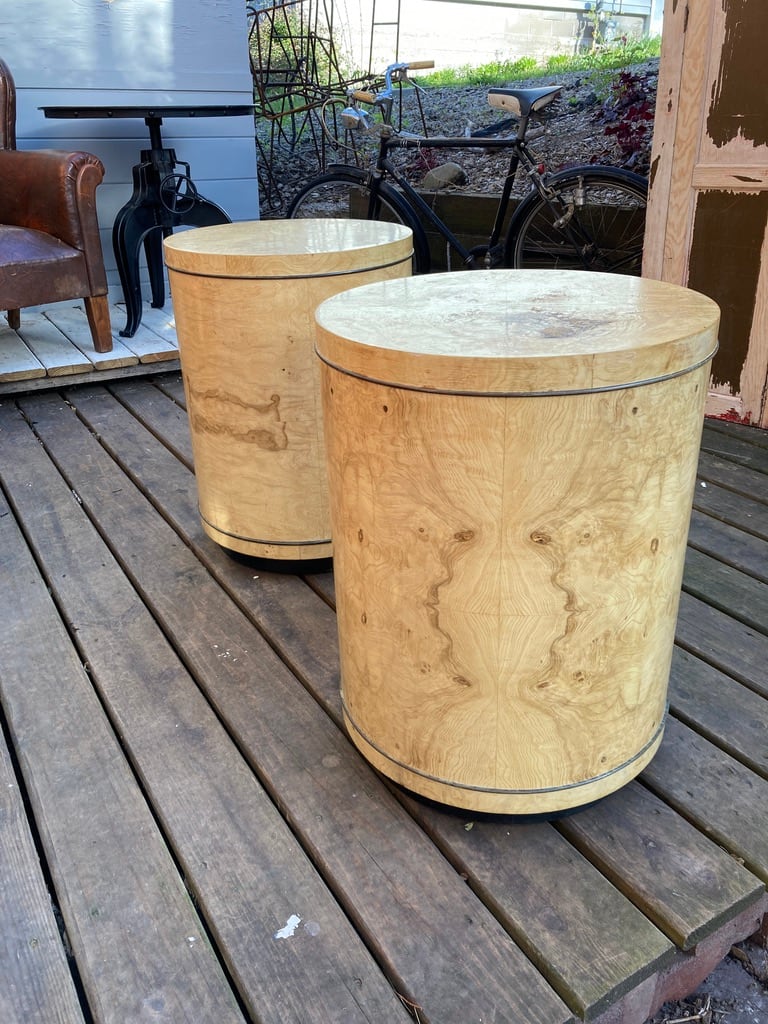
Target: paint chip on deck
{"points": [[289, 928]]}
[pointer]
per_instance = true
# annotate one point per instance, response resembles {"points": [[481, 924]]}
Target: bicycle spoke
{"points": [[597, 222]]}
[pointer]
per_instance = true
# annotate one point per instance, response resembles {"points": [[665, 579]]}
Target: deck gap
{"points": [[721, 606], [724, 560], [715, 740], [150, 430], [58, 917]]}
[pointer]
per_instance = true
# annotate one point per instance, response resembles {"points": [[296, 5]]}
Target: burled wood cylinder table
{"points": [[244, 296], [512, 456]]}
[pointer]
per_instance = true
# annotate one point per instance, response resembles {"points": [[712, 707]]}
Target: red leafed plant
{"points": [[628, 114]]}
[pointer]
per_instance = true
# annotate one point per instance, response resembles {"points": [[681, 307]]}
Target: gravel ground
{"points": [[572, 131]]}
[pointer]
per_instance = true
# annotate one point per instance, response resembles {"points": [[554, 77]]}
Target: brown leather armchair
{"points": [[50, 248]]}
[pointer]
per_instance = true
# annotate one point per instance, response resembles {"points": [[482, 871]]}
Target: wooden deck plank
{"points": [[736, 593], [299, 630], [740, 444], [730, 645], [61, 333], [733, 508], [117, 886], [443, 949], [727, 428], [721, 709], [559, 908], [160, 321], [684, 882], [147, 344], [54, 350], [740, 550], [73, 323], [719, 795], [752, 483], [232, 859], [173, 386], [38, 987], [17, 362], [166, 420]]}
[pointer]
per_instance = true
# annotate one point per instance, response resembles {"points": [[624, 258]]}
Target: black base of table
{"points": [[162, 200]]}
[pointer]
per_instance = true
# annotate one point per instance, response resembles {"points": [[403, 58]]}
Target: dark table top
{"points": [[150, 110]]}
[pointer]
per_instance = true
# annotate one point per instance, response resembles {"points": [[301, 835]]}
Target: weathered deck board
{"points": [[124, 903], [54, 346], [37, 984], [724, 642], [736, 593], [720, 795], [593, 943], [743, 551], [233, 857], [686, 884], [216, 685]]}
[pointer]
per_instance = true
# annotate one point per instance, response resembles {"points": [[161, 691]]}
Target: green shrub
{"points": [[620, 55]]}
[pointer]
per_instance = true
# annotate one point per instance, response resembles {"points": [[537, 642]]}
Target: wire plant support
{"points": [[302, 83]]}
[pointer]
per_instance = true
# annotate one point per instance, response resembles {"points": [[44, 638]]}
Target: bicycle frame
{"points": [[577, 217], [385, 168]]}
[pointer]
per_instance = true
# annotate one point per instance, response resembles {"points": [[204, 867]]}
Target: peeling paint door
{"points": [[707, 221]]}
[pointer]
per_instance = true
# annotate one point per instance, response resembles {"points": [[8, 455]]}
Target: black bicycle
{"points": [[582, 218]]}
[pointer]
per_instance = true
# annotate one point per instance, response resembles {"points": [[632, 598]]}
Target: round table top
{"points": [[270, 249], [154, 110], [517, 331]]}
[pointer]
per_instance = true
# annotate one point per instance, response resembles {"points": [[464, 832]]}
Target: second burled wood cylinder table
{"points": [[512, 456], [244, 297]]}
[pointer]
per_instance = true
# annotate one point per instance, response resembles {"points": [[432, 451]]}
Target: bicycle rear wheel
{"points": [[595, 220], [345, 194]]}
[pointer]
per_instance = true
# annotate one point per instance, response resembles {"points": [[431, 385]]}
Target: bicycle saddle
{"points": [[522, 102]]}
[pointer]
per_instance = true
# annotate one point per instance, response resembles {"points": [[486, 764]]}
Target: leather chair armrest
{"points": [[54, 191]]}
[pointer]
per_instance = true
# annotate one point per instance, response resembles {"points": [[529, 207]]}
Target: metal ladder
{"points": [[390, 19]]}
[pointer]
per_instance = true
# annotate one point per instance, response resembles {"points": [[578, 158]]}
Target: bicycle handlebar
{"points": [[386, 94], [399, 68], [353, 118]]}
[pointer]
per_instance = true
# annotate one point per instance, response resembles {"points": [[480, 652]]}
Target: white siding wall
{"points": [[124, 52]]}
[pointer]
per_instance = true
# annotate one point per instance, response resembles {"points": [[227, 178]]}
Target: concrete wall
{"points": [[143, 51]]}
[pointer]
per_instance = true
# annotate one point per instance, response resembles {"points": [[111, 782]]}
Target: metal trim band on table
{"points": [[258, 540], [506, 792], [519, 394], [295, 277]]}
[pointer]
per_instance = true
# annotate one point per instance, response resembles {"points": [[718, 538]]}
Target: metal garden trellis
{"points": [[296, 70]]}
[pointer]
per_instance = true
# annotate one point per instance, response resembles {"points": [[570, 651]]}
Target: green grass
{"points": [[633, 51]]}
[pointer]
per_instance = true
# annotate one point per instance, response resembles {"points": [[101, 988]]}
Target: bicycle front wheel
{"points": [[594, 219], [345, 194]]}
